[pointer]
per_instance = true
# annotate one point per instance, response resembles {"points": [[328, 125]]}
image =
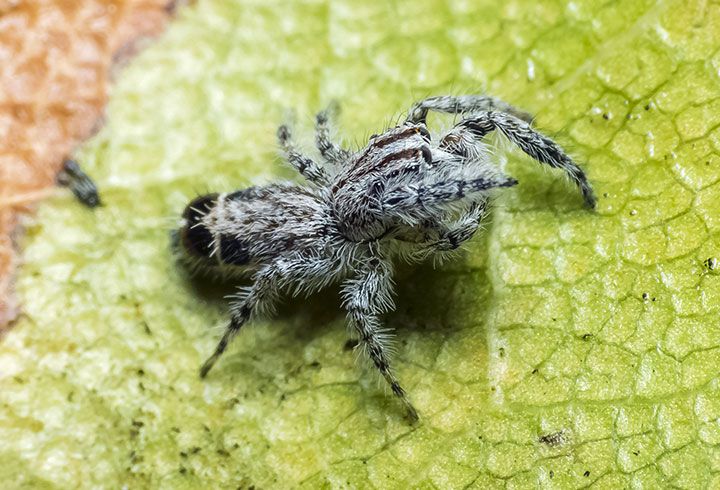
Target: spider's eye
{"points": [[394, 173], [376, 189]]}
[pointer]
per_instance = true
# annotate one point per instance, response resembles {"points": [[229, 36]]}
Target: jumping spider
{"points": [[401, 195]]}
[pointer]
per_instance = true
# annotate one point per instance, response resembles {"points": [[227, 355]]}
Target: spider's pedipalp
{"points": [[461, 230]]}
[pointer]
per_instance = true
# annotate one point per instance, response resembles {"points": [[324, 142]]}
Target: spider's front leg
{"points": [[330, 151], [413, 203], [366, 297], [463, 104], [543, 149], [303, 164]]}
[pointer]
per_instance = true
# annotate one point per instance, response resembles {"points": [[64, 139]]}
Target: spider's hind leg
{"points": [[260, 297], [303, 164], [463, 104]]}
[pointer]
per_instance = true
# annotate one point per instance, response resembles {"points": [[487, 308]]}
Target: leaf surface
{"points": [[566, 348]]}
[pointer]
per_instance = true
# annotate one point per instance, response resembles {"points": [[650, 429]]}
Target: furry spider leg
{"points": [[463, 104], [416, 202], [298, 272], [309, 169], [541, 148], [365, 297], [330, 151], [261, 296]]}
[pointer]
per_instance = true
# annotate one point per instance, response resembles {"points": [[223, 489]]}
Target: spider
{"points": [[403, 194]]}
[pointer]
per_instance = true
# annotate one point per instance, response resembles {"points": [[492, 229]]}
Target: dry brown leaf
{"points": [[55, 65]]}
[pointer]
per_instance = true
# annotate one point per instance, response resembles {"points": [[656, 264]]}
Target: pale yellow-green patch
{"points": [[600, 327]]}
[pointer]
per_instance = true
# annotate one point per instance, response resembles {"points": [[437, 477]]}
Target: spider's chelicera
{"points": [[404, 194]]}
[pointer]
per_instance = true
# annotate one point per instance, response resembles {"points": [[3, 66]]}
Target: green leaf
{"points": [[566, 348]]}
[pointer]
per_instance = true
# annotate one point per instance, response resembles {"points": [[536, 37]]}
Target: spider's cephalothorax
{"points": [[402, 194]]}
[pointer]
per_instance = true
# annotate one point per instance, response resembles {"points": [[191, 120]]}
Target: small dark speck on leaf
{"points": [[552, 474], [314, 364], [587, 336], [636, 453], [553, 439], [223, 452], [606, 116], [501, 352], [183, 470], [711, 263], [645, 296], [586, 474]]}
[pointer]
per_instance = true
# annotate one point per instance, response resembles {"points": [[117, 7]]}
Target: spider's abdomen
{"points": [[251, 227], [195, 238]]}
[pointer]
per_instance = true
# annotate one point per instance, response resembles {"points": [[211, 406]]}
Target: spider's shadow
{"points": [[421, 299], [318, 311]]}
